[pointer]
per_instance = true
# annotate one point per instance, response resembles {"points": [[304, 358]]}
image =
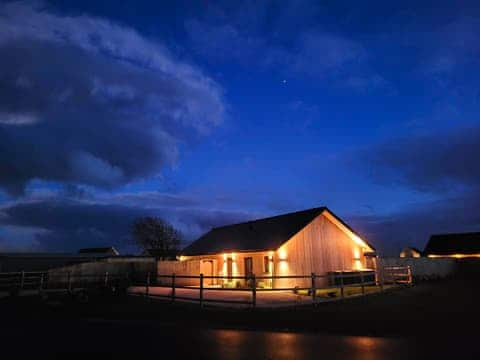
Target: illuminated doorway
{"points": [[207, 268]]}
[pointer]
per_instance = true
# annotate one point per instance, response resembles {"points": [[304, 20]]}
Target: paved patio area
{"points": [[229, 297], [265, 298]]}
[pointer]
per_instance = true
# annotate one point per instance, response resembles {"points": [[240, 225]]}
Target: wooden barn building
{"points": [[299, 243]]}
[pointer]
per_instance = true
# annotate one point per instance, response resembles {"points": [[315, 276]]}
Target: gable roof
{"points": [[410, 251], [449, 244], [411, 248], [257, 235]]}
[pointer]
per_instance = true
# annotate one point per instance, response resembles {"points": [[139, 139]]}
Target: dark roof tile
{"points": [[262, 234], [257, 235], [447, 244]]}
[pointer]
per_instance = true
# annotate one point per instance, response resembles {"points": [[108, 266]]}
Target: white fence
{"points": [[424, 268]]}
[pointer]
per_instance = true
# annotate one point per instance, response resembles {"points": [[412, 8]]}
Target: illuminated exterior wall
{"points": [[321, 246], [238, 265], [191, 267]]}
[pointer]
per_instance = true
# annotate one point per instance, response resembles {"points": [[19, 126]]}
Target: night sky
{"points": [[206, 113]]}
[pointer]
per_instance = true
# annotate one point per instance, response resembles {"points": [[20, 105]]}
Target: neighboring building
{"points": [[102, 251], [40, 261], [299, 243], [410, 252], [460, 245], [134, 268]]}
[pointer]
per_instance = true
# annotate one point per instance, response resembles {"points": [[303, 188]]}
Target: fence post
{"points": [[201, 290], [106, 279], [40, 286], [147, 284], [409, 272], [173, 287], [381, 273], [69, 281], [45, 280], [22, 280], [362, 280], [254, 291], [314, 288], [342, 292]]}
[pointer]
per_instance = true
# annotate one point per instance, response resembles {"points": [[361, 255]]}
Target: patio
{"points": [[244, 298]]}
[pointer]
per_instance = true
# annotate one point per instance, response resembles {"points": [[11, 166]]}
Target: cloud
{"points": [[415, 224], [85, 167], [434, 162], [18, 118], [87, 101], [443, 164], [63, 224], [55, 222], [24, 238]]}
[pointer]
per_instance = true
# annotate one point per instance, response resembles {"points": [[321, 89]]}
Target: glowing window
{"points": [[266, 264]]}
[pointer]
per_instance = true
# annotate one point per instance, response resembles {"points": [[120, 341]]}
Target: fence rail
{"points": [[397, 274], [15, 282], [341, 280]]}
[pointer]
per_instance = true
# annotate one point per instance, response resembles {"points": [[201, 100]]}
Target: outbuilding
{"points": [[410, 252], [454, 245]]}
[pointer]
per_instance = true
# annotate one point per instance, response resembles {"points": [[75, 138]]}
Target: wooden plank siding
{"points": [[320, 247], [324, 245], [179, 268]]}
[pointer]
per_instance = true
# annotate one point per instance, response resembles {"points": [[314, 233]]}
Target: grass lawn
{"points": [[347, 291]]}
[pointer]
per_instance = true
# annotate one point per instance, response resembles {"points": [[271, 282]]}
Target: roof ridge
{"points": [[320, 209], [456, 233]]}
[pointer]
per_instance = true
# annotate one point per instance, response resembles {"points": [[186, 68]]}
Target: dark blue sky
{"points": [[207, 113]]}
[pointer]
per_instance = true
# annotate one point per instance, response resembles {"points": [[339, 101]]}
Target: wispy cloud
{"points": [[314, 52], [453, 46], [18, 118]]}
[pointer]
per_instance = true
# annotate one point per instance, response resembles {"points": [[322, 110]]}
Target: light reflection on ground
{"points": [[235, 344], [171, 341]]}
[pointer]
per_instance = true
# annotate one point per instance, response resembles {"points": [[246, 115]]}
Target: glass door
{"points": [[248, 266]]}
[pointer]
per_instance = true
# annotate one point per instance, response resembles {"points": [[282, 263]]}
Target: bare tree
{"points": [[157, 237]]}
